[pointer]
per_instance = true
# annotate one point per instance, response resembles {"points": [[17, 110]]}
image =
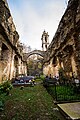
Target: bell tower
{"points": [[45, 40]]}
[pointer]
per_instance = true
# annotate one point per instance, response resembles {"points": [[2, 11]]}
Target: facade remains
{"points": [[64, 50], [11, 56]]}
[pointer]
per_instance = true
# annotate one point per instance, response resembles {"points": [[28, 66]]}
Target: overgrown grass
{"points": [[31, 103]]}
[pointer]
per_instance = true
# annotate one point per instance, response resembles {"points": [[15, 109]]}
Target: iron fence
{"points": [[65, 92]]}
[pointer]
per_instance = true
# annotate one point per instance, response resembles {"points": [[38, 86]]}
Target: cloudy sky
{"points": [[32, 17]]}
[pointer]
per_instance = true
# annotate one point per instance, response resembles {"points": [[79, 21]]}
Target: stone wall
{"points": [[11, 55], [64, 50]]}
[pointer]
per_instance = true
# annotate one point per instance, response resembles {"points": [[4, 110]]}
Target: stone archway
{"points": [[55, 66], [35, 62], [67, 59], [38, 52]]}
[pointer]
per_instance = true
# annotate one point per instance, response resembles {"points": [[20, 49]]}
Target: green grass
{"points": [[31, 103]]}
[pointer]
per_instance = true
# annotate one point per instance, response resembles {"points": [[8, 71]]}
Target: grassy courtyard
{"points": [[31, 103]]}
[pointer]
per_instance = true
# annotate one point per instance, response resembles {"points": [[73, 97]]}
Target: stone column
{"points": [[0, 61], [0, 48], [12, 68], [19, 66]]}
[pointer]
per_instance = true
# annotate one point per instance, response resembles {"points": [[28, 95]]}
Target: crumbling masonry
{"points": [[11, 56], [64, 50]]}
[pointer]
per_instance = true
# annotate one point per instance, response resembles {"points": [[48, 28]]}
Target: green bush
{"points": [[42, 77], [1, 105], [5, 87], [62, 76]]}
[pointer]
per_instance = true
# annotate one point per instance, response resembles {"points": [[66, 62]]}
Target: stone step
{"points": [[71, 110]]}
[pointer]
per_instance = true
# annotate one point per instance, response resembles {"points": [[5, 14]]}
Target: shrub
{"points": [[5, 87], [62, 76], [42, 77], [1, 105]]}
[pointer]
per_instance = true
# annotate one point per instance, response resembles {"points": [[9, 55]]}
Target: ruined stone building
{"points": [[64, 50], [45, 40], [11, 56]]}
